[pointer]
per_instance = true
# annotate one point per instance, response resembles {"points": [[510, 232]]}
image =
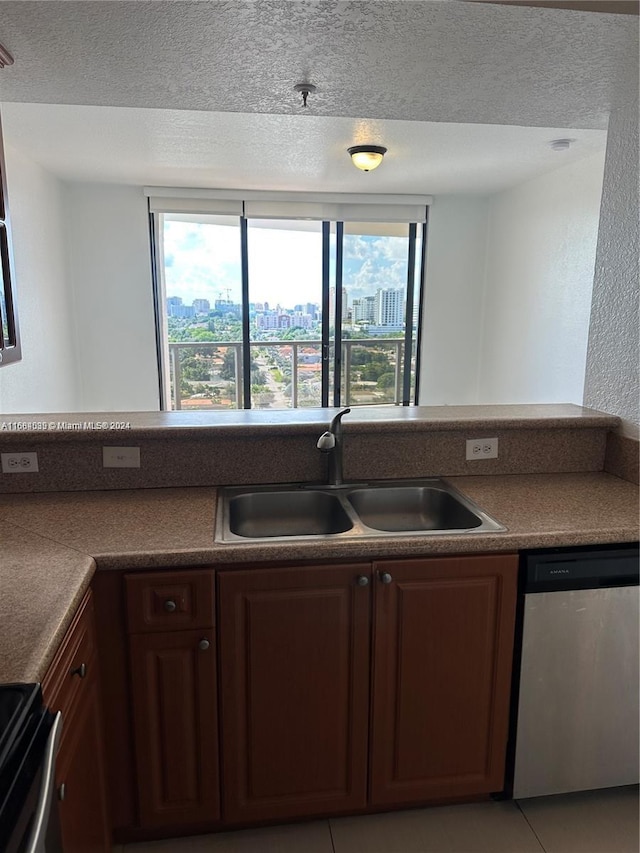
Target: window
{"points": [[9, 334], [261, 310]]}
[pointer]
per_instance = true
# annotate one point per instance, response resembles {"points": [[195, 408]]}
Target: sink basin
{"points": [[260, 514], [412, 508], [427, 507]]}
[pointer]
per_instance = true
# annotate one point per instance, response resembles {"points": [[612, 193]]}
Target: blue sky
{"points": [[202, 261]]}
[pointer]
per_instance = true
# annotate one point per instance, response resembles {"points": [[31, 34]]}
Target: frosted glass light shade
{"points": [[367, 157]]}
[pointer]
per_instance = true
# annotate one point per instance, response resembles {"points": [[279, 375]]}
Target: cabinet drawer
{"points": [[73, 661], [170, 601]]}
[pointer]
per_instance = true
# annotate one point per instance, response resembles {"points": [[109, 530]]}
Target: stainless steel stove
{"points": [[29, 737]]}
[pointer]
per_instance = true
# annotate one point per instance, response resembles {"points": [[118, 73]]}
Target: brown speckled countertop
{"points": [[135, 426], [42, 584], [50, 542]]}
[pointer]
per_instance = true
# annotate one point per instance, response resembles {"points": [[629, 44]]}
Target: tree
{"points": [[196, 369], [387, 380], [258, 377], [228, 368]]}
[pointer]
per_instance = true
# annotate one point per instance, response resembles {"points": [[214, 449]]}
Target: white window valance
{"points": [[333, 207]]}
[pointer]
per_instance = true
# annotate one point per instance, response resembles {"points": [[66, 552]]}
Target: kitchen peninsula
{"points": [[101, 529]]}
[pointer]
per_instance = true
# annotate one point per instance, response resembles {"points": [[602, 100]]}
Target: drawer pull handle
{"points": [[62, 792], [170, 606], [203, 645], [363, 580], [80, 671], [385, 577]]}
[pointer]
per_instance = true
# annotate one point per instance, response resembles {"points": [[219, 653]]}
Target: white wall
{"points": [[506, 311], [107, 231], [539, 274], [611, 382], [453, 296], [46, 380]]}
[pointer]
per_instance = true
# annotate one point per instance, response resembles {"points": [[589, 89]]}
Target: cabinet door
{"points": [[442, 666], [81, 776], [294, 660], [175, 726]]}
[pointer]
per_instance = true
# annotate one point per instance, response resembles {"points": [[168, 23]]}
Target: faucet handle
{"points": [[326, 442]]}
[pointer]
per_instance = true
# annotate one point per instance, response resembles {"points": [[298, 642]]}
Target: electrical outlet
{"points": [[19, 463], [120, 457], [482, 448]]}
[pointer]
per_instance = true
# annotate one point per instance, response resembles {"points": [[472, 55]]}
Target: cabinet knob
{"points": [[170, 606], [203, 645], [80, 671], [385, 577], [363, 580], [62, 792]]}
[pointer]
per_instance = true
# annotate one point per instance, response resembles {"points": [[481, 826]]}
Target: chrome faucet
{"points": [[331, 442]]}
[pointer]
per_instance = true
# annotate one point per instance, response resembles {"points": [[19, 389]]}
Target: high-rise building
{"points": [[202, 306], [299, 318], [389, 307], [332, 303], [267, 320], [363, 310], [173, 304], [175, 308]]}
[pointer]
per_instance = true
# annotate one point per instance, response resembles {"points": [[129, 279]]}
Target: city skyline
{"points": [[383, 309]]}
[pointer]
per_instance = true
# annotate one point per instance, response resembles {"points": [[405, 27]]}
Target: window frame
{"points": [[329, 365], [10, 348]]}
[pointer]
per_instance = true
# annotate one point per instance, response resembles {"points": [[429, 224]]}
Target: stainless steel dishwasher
{"points": [[577, 708]]}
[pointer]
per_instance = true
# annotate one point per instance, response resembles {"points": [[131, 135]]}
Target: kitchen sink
{"points": [[290, 513], [354, 510], [412, 508]]}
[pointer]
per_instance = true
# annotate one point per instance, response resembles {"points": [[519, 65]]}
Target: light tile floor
{"points": [[590, 822]]}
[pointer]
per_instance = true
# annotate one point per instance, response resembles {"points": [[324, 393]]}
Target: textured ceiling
{"points": [[418, 61], [279, 152], [617, 7]]}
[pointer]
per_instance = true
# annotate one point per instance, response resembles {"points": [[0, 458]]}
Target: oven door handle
{"points": [[37, 836]]}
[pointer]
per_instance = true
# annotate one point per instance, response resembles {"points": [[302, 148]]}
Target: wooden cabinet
{"points": [[442, 669], [294, 659], [295, 668], [81, 778], [72, 686], [342, 688], [173, 688]]}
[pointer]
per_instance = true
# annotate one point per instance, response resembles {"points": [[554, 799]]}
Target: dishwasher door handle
{"points": [[37, 837]]}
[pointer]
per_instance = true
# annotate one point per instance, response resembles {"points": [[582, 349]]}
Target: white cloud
{"points": [[285, 267]]}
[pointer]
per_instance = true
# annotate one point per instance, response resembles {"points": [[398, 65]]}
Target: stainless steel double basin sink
{"points": [[383, 508]]}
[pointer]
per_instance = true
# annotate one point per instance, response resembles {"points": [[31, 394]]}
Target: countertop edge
{"points": [[86, 427]]}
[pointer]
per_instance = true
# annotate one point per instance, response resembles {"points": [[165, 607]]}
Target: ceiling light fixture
{"points": [[561, 144], [367, 157], [305, 90]]}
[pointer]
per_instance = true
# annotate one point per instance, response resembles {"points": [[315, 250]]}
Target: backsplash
{"points": [[622, 457], [280, 453]]}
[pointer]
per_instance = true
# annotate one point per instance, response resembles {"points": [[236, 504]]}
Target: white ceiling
{"points": [[465, 95], [414, 60], [281, 152]]}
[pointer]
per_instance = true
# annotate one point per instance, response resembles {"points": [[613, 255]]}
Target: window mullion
{"points": [[337, 337], [324, 400], [408, 318], [423, 264], [246, 350], [159, 301]]}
